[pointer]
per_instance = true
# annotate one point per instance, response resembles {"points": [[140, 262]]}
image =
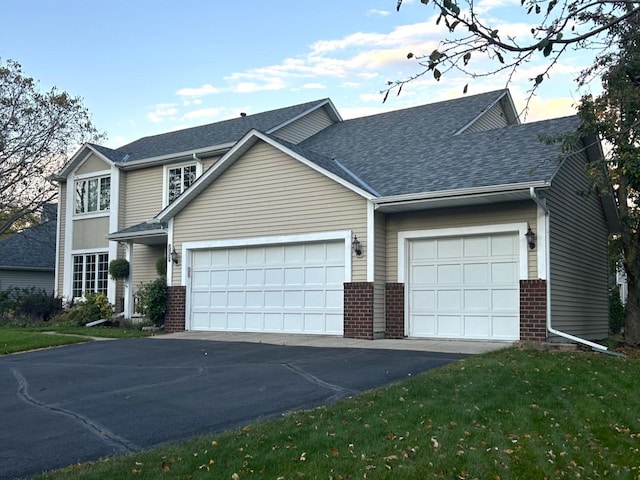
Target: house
{"points": [[28, 257], [447, 220]]}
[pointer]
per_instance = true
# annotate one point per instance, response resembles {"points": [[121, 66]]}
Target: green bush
{"points": [[119, 269], [94, 306], [28, 304], [161, 266], [152, 300], [617, 312]]}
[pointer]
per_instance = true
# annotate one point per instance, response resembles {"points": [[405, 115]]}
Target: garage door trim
{"points": [[405, 237], [189, 247]]}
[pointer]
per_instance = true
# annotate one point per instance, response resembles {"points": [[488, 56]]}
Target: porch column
{"points": [[128, 291]]}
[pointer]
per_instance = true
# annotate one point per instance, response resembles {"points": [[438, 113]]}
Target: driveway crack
{"points": [[120, 444], [341, 392]]}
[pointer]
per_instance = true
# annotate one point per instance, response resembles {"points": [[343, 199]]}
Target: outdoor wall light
{"points": [[531, 238], [173, 255], [356, 247]]}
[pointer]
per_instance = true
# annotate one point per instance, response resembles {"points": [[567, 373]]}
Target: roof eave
{"points": [[210, 151], [458, 197], [77, 157]]}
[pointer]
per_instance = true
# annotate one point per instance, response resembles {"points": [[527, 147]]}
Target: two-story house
{"points": [[448, 220]]}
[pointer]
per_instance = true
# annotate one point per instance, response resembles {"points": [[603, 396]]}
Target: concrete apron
{"points": [[469, 347]]}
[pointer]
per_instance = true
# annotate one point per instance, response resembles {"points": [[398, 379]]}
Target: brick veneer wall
{"points": [[533, 310], [174, 320], [394, 310], [358, 310]]}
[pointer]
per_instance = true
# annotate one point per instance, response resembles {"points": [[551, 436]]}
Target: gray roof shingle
{"points": [[32, 248], [218, 133], [415, 150]]}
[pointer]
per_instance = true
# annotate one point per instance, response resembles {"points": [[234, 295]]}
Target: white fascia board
{"points": [[178, 156], [248, 141], [307, 112], [446, 194]]}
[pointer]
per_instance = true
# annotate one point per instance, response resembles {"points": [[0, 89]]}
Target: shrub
{"points": [[161, 266], [617, 312], [29, 303], [119, 269], [94, 306], [152, 300]]}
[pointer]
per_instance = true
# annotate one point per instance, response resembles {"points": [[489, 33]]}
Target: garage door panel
{"points": [[449, 274], [475, 290], [279, 288]]}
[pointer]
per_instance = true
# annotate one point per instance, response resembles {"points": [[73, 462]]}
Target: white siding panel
{"points": [[143, 195], [26, 279]]}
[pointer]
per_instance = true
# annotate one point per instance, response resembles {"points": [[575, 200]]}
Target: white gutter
{"points": [[542, 204], [143, 162]]}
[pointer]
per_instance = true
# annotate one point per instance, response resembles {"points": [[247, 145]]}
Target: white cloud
{"points": [[162, 111], [206, 89], [211, 113], [314, 86], [375, 11]]}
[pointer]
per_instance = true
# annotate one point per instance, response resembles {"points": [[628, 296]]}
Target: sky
{"points": [[145, 67]]}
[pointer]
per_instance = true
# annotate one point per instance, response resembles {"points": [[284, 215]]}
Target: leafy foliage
{"points": [[37, 133], [119, 269], [152, 300], [94, 306], [473, 37], [28, 304]]}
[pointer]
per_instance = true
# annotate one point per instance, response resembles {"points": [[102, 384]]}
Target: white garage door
{"points": [[293, 288], [464, 287]]}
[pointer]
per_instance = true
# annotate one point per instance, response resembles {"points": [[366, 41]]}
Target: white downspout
{"points": [[542, 204]]}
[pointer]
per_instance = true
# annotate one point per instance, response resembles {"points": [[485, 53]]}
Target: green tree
{"points": [[38, 131]]}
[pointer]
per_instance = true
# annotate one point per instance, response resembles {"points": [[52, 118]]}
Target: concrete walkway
{"points": [[468, 347]]}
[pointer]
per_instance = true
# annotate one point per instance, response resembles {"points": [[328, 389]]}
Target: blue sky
{"points": [[146, 67]]}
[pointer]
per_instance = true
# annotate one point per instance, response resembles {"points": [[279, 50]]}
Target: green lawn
{"points": [[513, 414], [20, 339]]}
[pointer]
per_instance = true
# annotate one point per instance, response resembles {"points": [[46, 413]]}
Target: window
{"points": [[179, 179], [93, 195], [90, 273]]}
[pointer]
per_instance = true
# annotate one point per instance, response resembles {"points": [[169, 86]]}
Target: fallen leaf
{"points": [[165, 467]]}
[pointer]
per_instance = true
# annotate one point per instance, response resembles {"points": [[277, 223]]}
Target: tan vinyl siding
{"points": [[143, 195], [209, 162], [494, 118], [578, 242], [379, 285], [26, 279], [90, 233], [144, 268], [457, 218], [267, 193], [62, 222], [92, 164], [305, 127]]}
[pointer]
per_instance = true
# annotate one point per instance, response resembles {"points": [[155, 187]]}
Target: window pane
{"points": [[81, 190], [77, 276], [189, 175], [92, 205], [105, 193], [174, 183], [90, 273], [103, 272]]}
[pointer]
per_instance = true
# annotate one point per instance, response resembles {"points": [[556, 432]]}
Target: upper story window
{"points": [[93, 195], [179, 179]]}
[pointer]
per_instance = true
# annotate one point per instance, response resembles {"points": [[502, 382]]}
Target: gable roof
{"points": [[32, 248], [415, 150]]}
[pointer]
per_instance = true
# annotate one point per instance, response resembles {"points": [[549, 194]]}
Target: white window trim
{"points": [[92, 176], [165, 177], [84, 253]]}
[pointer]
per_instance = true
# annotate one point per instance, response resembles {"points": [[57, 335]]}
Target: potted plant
{"points": [[119, 269]]}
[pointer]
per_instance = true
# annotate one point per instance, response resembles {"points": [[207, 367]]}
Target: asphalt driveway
{"points": [[84, 402]]}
